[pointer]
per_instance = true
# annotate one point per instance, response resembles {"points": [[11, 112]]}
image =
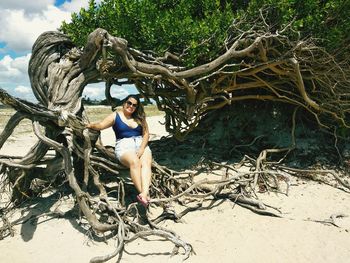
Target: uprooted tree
{"points": [[256, 64]]}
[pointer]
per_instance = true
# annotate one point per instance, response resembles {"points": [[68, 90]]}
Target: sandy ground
{"points": [[224, 233]]}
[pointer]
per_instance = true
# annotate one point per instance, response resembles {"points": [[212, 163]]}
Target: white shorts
{"points": [[131, 144]]}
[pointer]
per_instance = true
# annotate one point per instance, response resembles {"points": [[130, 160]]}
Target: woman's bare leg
{"points": [[146, 173], [131, 160]]}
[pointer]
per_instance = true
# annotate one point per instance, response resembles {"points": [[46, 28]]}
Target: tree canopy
{"points": [[192, 33], [222, 68], [195, 30]]}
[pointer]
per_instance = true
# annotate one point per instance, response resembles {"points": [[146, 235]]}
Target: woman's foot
{"points": [[145, 196], [143, 200]]}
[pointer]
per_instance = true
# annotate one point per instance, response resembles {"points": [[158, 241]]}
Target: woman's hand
{"points": [[140, 152], [104, 124]]}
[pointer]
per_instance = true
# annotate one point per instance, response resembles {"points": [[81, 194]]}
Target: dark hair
{"points": [[139, 113]]}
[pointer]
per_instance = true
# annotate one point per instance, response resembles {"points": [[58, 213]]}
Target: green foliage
{"points": [[325, 20], [196, 29]]}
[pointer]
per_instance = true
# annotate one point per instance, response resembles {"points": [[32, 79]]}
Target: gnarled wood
{"points": [[257, 65]]}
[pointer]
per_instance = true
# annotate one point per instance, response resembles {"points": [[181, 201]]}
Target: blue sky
{"points": [[60, 2], [21, 23]]}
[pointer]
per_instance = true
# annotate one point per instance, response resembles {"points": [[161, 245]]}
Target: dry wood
{"points": [[256, 65]]}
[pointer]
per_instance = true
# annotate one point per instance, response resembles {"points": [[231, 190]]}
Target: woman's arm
{"points": [[105, 123], [145, 139]]}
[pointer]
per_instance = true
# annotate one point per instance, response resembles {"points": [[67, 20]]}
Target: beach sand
{"points": [[219, 232]]}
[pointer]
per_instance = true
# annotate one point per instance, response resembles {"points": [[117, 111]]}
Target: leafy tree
{"points": [[196, 30], [265, 80], [326, 20]]}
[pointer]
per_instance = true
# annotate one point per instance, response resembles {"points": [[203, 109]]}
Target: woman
{"points": [[131, 149]]}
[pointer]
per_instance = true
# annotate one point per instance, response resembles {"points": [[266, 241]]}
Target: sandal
{"points": [[142, 201]]}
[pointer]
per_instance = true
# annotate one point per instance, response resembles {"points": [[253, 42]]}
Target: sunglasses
{"points": [[131, 104]]}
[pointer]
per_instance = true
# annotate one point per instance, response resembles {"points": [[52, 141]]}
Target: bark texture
{"points": [[255, 64]]}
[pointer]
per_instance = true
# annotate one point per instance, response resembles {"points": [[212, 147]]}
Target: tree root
{"points": [[256, 64], [332, 220], [6, 228]]}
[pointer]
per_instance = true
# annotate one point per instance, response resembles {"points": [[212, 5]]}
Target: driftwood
{"points": [[255, 65]]}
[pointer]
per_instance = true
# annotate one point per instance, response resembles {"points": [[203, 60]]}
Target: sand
{"points": [[219, 232]]}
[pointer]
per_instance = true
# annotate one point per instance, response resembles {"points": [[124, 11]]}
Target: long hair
{"points": [[139, 114]]}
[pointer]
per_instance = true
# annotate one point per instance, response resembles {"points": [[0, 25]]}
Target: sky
{"points": [[21, 23]]}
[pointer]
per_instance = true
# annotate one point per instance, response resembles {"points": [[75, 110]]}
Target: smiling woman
{"points": [[131, 149]]}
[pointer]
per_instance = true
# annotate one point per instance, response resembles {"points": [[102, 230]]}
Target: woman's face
{"points": [[130, 105]]}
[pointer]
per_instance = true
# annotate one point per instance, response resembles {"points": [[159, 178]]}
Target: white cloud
{"points": [[23, 21], [19, 91], [21, 24], [38, 6], [14, 69], [29, 6], [14, 77], [119, 92], [23, 89], [19, 31], [21, 63], [76, 5], [93, 92], [97, 91]]}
